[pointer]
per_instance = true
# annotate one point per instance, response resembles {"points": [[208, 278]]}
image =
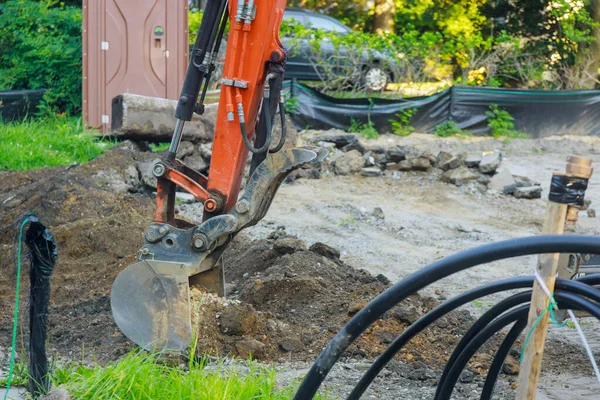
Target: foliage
{"points": [[401, 125], [159, 147], [41, 49], [194, 20], [291, 105], [447, 129], [47, 142], [365, 129], [501, 123]]}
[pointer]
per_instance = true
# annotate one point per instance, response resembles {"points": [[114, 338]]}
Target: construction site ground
{"points": [[287, 298]]}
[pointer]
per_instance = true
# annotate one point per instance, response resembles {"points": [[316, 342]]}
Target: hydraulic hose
{"points": [[428, 275], [265, 146], [283, 130]]}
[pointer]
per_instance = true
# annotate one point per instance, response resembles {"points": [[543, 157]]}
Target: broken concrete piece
{"points": [[591, 213], [354, 146], [150, 118], [472, 160], [337, 139], [403, 165], [501, 180], [348, 163], [490, 163], [397, 153], [528, 192], [370, 172], [185, 149], [196, 163], [459, 176], [420, 164], [446, 161], [146, 174]]}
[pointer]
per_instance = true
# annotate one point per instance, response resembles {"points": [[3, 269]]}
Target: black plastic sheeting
{"points": [[569, 190], [43, 254], [19, 104], [537, 113]]}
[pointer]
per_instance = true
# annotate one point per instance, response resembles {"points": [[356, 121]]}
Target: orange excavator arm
{"points": [[150, 298]]}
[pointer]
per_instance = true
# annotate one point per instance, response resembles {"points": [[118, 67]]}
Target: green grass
{"points": [[159, 147], [140, 375], [47, 142]]}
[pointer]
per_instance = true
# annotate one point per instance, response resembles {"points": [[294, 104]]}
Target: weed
{"points": [[448, 129], [291, 105], [47, 142], [401, 125], [501, 123], [348, 220], [140, 375], [159, 147]]}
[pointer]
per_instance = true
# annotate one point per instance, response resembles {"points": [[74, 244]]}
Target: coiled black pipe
{"points": [[563, 299], [426, 276]]}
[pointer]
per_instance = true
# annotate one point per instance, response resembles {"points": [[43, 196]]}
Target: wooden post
{"points": [[547, 266]]}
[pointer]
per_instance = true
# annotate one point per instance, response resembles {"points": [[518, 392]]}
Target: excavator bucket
{"points": [[150, 299]]}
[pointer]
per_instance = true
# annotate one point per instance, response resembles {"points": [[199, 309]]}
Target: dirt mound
{"points": [[285, 300]]}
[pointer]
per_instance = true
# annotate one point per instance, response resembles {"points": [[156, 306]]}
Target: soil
{"points": [[287, 299]]}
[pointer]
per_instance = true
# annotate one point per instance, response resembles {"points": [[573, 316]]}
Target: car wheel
{"points": [[375, 78]]}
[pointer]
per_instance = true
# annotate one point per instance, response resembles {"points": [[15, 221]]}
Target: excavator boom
{"points": [[150, 299]]}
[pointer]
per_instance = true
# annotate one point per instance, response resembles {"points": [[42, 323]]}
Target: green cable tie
{"points": [[550, 308], [16, 314]]}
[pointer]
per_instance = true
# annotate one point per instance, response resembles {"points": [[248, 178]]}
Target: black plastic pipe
{"points": [[428, 275]]}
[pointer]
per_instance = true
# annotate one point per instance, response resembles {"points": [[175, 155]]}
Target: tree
{"points": [[383, 16]]}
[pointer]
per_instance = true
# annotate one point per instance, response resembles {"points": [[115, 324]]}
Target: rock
{"points": [[528, 192], [369, 159], [340, 140], [403, 165], [354, 146], [459, 176], [303, 174], [591, 213], [115, 182], [3, 356], [348, 163], [586, 204], [145, 168], [420, 164], [397, 153], [205, 150], [525, 181], [472, 160], [56, 394], [250, 348], [325, 250], [290, 344], [466, 376], [196, 163], [370, 172], [383, 279], [501, 180], [289, 245], [406, 314], [378, 213], [238, 320], [446, 161], [185, 149], [510, 366], [490, 162], [356, 307], [385, 337], [510, 189]]}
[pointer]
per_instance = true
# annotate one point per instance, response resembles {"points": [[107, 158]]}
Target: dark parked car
{"points": [[373, 75]]}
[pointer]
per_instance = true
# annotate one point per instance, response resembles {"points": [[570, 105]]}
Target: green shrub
{"points": [[401, 125], [194, 20], [41, 49], [501, 124], [448, 129]]}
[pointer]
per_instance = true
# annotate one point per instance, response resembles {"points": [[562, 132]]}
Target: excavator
{"points": [[150, 299]]}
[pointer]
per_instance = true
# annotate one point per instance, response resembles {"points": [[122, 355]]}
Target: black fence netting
{"points": [[537, 113]]}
